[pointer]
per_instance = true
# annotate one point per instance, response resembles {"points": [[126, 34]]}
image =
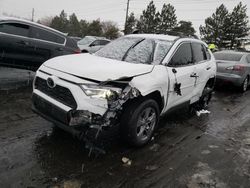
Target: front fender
{"points": [[157, 80]]}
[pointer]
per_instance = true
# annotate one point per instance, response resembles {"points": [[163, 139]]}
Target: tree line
{"points": [[162, 22], [222, 28], [226, 29], [80, 28]]}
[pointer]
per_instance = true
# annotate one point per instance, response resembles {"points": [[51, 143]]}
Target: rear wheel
{"points": [[244, 85], [85, 51], [205, 98], [139, 122]]}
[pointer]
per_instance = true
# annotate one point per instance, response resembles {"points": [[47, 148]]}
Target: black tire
{"points": [[205, 98], [140, 133], [244, 85], [85, 51]]}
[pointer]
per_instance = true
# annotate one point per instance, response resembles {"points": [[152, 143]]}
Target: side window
{"points": [[183, 56], [104, 42], [199, 52], [248, 58], [42, 34], [96, 43], [15, 29], [141, 53], [207, 52]]}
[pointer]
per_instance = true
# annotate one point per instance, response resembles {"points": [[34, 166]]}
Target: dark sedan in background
{"points": [[233, 67], [25, 44]]}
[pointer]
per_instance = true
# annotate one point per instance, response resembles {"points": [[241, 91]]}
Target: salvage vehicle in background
{"points": [[233, 67], [130, 82], [76, 38], [91, 44], [25, 44]]}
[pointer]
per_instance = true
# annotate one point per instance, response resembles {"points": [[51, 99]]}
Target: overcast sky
{"points": [[190, 10]]}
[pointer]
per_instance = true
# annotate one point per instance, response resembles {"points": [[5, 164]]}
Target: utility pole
{"points": [[126, 19], [33, 13]]}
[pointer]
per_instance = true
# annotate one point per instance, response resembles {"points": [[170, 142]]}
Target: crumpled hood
{"points": [[96, 68]]}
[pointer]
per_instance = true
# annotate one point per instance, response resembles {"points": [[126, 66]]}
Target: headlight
{"points": [[100, 91]]}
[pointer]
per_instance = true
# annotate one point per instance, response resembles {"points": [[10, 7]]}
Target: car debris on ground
{"points": [[198, 113]]}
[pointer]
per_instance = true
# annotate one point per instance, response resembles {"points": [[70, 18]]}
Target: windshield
{"points": [[228, 56], [136, 50], [86, 40]]}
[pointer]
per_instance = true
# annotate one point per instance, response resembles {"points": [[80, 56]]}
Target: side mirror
{"points": [[92, 44]]}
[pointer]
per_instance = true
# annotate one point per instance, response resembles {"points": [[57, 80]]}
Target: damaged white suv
{"points": [[130, 83]]}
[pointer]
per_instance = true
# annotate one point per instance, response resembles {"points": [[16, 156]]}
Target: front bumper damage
{"points": [[73, 119]]}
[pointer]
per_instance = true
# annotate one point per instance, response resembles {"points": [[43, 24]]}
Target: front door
{"points": [[182, 76]]}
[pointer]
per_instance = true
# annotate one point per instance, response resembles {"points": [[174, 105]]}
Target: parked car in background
{"points": [[91, 44], [76, 38], [25, 44], [233, 67], [130, 82]]}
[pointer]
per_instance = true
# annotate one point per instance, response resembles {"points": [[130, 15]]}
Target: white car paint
{"points": [[92, 44], [88, 66], [86, 69]]}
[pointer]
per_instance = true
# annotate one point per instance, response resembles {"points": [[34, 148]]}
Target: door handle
{"points": [[22, 42], [194, 75]]}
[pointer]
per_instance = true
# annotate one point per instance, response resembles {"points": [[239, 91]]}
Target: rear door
{"points": [[47, 44], [181, 71], [16, 47]]}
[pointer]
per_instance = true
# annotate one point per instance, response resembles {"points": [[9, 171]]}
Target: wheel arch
{"points": [[211, 82], [85, 51], [156, 95]]}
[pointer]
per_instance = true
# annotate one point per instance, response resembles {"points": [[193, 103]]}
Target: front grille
{"points": [[49, 109], [58, 93]]}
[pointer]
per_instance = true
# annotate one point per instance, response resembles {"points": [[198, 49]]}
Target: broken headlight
{"points": [[101, 91]]}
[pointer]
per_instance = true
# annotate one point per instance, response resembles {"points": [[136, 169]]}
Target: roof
{"points": [[96, 37], [5, 18], [155, 36]]}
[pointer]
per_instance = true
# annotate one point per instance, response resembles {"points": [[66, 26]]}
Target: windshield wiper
{"points": [[126, 54]]}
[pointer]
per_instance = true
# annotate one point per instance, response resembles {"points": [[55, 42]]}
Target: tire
{"points": [[205, 98], [244, 85], [139, 121]]}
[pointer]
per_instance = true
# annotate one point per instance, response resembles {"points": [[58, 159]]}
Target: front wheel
{"points": [[139, 122]]}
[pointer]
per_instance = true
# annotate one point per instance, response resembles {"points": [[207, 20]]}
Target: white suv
{"points": [[130, 82]]}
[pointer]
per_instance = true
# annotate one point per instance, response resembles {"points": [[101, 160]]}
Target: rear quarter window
{"points": [[104, 42], [15, 29]]}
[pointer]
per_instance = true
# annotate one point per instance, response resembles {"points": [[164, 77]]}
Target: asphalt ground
{"points": [[212, 150]]}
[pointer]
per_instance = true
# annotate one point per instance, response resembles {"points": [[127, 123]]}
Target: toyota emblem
{"points": [[51, 83]]}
